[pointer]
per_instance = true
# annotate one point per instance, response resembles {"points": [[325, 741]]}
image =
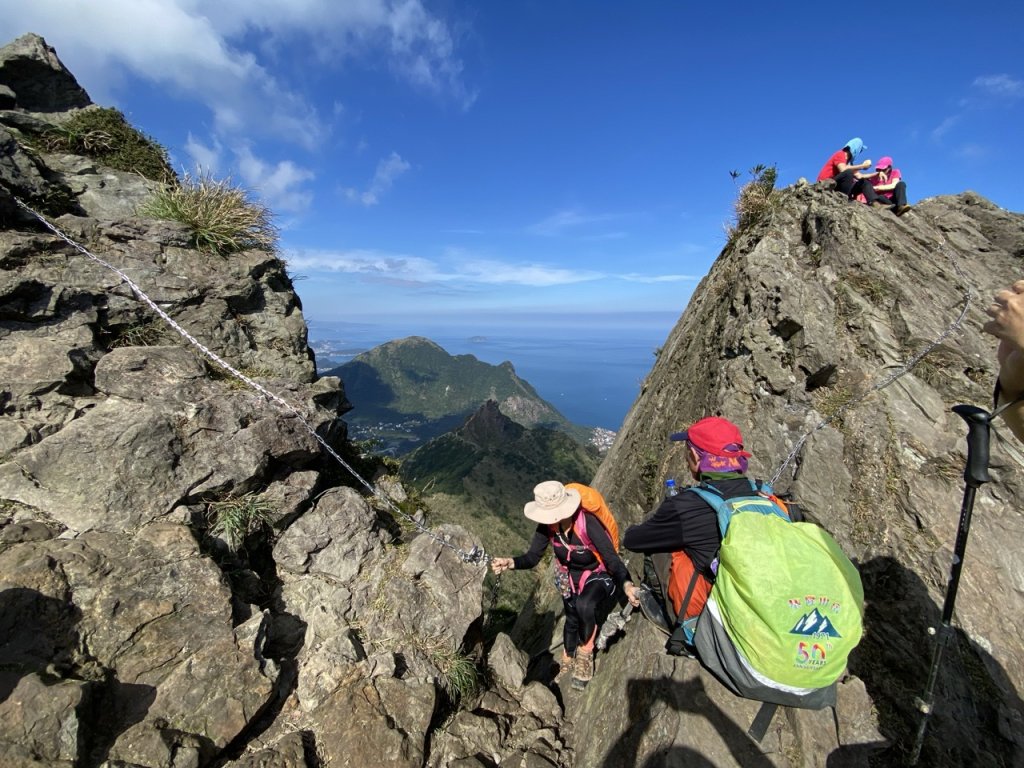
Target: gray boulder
{"points": [[30, 69]]}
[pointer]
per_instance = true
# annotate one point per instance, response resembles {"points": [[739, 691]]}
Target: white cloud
{"points": [[1000, 86], [635, 278], [197, 50], [461, 268], [562, 222], [940, 131], [279, 184], [388, 169], [987, 92], [206, 159]]}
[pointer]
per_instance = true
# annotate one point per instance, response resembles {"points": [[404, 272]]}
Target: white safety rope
{"points": [[476, 555]]}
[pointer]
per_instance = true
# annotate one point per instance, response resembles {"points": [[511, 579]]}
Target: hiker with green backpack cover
{"points": [[786, 606]]}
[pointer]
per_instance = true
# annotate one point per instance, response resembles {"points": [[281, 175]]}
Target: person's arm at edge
{"points": [[1007, 324], [661, 532]]}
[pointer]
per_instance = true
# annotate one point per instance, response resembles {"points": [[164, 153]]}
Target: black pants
{"points": [[846, 181], [898, 199], [582, 611]]}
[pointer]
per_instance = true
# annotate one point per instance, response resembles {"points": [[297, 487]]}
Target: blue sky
{"points": [[539, 162]]}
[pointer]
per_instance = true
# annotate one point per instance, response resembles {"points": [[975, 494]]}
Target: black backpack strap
{"points": [[762, 720]]}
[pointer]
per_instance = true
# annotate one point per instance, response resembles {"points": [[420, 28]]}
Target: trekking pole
{"points": [[975, 473]]}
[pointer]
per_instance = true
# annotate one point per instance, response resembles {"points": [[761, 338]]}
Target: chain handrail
{"points": [[899, 373]]}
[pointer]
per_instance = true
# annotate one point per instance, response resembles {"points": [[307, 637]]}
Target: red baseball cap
{"points": [[714, 435]]}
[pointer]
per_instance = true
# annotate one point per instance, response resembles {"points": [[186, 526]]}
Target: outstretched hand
{"points": [[500, 564], [1007, 323]]}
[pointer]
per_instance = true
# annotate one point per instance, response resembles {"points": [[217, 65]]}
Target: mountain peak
{"points": [[489, 426]]}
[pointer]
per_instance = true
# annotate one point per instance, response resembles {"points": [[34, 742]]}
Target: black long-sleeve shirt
{"points": [[577, 558], [685, 522]]}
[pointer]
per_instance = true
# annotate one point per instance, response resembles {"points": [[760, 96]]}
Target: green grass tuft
{"points": [[234, 519], [223, 217], [105, 135]]}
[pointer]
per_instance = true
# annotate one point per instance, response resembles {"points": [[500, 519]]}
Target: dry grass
{"points": [[223, 217], [757, 198]]}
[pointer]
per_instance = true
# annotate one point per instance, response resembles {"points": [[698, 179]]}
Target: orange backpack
{"points": [[593, 502]]}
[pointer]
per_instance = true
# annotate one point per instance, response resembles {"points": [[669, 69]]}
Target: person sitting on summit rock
{"points": [[883, 187], [841, 169]]}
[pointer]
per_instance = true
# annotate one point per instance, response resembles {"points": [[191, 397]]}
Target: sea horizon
{"points": [[591, 372]]}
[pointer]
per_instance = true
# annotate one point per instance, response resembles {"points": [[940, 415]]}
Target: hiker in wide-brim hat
{"points": [[588, 571]]}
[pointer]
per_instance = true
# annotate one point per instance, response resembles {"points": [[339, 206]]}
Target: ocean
{"points": [[590, 374]]}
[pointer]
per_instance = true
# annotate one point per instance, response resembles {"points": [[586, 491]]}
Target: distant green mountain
{"points": [[408, 391], [481, 474]]}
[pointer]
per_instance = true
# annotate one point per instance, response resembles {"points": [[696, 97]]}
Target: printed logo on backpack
{"points": [[786, 609]]}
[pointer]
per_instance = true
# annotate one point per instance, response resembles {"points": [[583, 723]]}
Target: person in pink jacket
{"points": [[884, 187]]}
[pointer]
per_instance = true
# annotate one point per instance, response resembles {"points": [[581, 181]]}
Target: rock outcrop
{"points": [[185, 579], [801, 321]]}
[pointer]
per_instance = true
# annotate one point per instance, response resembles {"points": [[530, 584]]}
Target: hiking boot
{"points": [[903, 209], [651, 608], [582, 669], [563, 666]]}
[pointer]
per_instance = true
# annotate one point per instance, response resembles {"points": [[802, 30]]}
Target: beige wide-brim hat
{"points": [[552, 502]]}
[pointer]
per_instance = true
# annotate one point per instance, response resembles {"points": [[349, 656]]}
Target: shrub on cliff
{"points": [[756, 198], [223, 217], [105, 135]]}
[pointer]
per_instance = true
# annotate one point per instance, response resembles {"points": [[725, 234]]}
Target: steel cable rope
{"points": [[899, 373], [476, 555]]}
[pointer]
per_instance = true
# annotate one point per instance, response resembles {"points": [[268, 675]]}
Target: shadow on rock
{"points": [[109, 709], [40, 638], [38, 634], [647, 697], [977, 716]]}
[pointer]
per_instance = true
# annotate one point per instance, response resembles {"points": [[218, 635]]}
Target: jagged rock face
{"points": [[37, 79], [796, 320], [130, 632]]}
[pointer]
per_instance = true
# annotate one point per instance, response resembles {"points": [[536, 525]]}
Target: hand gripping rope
{"points": [[475, 556]]}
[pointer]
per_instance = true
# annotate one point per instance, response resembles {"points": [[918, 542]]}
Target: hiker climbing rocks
{"points": [[883, 187], [841, 169], [1007, 324], [682, 535], [574, 519]]}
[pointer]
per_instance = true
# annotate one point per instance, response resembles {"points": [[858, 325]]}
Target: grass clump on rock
{"points": [[234, 519], [757, 198], [223, 217], [105, 135]]}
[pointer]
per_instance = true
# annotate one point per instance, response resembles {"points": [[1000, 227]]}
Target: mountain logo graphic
{"points": [[814, 623]]}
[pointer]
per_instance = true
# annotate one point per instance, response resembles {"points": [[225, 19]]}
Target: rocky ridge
{"points": [[134, 631], [792, 333], [131, 636]]}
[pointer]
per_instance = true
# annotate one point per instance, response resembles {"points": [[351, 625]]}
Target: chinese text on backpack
{"points": [[786, 608]]}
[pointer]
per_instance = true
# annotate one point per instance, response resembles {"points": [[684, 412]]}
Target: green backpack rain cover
{"points": [[788, 598]]}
